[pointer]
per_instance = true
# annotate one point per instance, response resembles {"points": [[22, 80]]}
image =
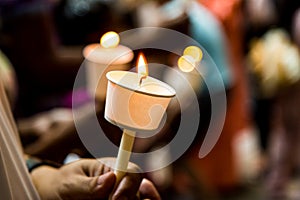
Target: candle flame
{"points": [[142, 67], [110, 39]]}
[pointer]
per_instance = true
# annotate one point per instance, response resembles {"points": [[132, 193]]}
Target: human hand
{"points": [[90, 179]]}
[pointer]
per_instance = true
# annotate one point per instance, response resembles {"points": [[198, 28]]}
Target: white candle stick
{"points": [[124, 153]]}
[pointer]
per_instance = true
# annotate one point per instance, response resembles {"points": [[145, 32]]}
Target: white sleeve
{"points": [[15, 181]]}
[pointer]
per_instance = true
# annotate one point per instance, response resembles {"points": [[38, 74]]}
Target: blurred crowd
{"points": [[254, 44]]}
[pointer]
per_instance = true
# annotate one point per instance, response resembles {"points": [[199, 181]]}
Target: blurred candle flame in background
{"points": [[192, 55], [110, 39]]}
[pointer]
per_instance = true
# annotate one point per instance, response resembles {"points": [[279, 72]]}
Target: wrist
{"points": [[33, 163]]}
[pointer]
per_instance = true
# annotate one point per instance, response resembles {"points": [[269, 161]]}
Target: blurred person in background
{"points": [[275, 63], [217, 27], [219, 168]]}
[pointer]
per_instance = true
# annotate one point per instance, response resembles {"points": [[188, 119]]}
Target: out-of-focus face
{"points": [[296, 27], [261, 12]]}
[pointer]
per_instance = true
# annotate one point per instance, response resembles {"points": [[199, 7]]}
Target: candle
{"points": [[134, 102], [103, 57]]}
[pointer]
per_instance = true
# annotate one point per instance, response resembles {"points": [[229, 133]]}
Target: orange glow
{"points": [[142, 66]]}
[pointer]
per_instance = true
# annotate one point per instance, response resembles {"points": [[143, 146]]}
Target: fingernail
{"points": [[103, 178]]}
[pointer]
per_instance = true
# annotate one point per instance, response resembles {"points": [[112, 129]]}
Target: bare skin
{"points": [[90, 179]]}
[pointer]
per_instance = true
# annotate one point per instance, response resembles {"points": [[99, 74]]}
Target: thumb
{"points": [[148, 191], [98, 187], [105, 184]]}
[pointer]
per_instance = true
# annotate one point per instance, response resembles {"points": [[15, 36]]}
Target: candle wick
{"points": [[141, 80]]}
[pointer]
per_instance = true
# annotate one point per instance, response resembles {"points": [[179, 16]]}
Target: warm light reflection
{"points": [[186, 63], [142, 67], [194, 51], [110, 39]]}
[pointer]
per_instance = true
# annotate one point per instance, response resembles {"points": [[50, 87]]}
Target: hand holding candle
{"points": [[134, 102]]}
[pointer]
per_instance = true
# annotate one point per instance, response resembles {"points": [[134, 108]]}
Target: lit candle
{"points": [[134, 101], [103, 57]]}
